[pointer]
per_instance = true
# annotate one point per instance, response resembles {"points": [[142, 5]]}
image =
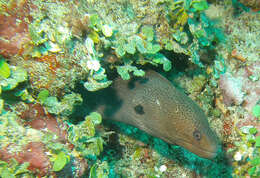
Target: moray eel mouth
{"points": [[209, 153]]}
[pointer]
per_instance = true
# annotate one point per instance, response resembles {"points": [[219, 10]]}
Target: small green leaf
{"points": [[43, 95], [1, 106], [199, 33], [61, 160], [120, 51], [51, 101], [130, 47], [140, 44], [149, 47], [257, 141], [153, 48], [204, 41], [3, 163], [107, 30], [95, 117], [253, 131], [94, 20], [255, 161], [93, 85], [148, 32], [251, 171], [167, 65], [200, 5], [99, 170], [100, 143], [168, 46], [156, 48], [256, 111], [93, 35], [181, 37], [121, 70], [161, 59], [92, 172], [139, 72], [89, 129], [5, 71]]}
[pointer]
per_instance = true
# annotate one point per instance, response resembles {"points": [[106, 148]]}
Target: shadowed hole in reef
{"points": [[179, 61], [112, 150]]}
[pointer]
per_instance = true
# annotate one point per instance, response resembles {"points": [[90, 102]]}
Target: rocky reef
{"points": [[53, 52]]}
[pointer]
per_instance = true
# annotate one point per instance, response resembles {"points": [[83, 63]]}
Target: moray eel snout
{"points": [[155, 106]]}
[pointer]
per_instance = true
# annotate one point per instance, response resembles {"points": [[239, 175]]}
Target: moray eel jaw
{"points": [[210, 152]]}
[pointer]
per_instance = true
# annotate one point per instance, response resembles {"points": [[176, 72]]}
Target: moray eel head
{"points": [[193, 131], [199, 139]]}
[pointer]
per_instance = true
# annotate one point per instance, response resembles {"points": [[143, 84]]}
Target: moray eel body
{"points": [[154, 105]]}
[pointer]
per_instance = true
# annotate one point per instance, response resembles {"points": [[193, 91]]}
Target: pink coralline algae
{"points": [[34, 153], [240, 87], [14, 29], [36, 118], [251, 87], [231, 88], [13, 36]]}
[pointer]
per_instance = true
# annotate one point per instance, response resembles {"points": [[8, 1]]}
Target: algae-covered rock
{"points": [[18, 75], [63, 107]]}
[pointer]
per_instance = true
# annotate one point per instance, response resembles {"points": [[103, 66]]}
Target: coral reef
{"points": [[52, 52]]}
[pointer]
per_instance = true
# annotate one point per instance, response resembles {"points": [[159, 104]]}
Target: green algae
{"points": [[43, 95], [63, 107], [99, 170], [159, 58], [148, 32], [97, 81], [85, 138], [1, 106], [123, 71], [256, 111], [143, 39], [13, 169], [5, 71], [247, 155], [60, 161], [18, 75]]}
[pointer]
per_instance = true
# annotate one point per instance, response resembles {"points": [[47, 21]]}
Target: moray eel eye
{"points": [[197, 135], [139, 109]]}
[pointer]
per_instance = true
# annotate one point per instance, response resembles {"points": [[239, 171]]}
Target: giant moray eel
{"points": [[154, 105]]}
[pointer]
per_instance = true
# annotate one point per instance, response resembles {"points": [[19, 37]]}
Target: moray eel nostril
{"points": [[155, 106]]}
